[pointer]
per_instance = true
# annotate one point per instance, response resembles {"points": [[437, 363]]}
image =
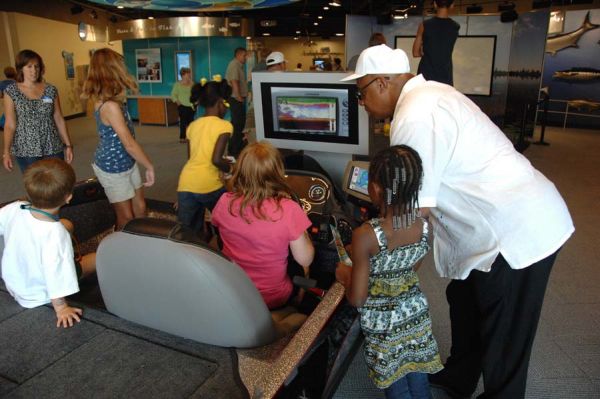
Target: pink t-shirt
{"points": [[261, 247]]}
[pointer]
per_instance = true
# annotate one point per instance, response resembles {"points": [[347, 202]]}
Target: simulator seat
{"points": [[157, 273]]}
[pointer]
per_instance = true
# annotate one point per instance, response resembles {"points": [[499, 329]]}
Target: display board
{"points": [[149, 65], [472, 62]]}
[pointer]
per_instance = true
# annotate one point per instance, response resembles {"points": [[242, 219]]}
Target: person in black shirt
{"points": [[435, 42]]}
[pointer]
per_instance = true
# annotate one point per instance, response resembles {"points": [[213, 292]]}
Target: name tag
{"points": [[46, 100]]}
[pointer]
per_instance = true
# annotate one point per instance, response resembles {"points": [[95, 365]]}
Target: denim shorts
{"points": [[121, 186]]}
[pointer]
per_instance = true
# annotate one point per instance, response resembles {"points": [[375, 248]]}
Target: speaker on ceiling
{"points": [[509, 16]]}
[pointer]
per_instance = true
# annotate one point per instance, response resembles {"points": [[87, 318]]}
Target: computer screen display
{"points": [[315, 112], [317, 115], [356, 180], [312, 111], [359, 180]]}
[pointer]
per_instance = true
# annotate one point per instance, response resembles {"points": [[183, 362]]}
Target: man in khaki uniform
{"points": [[236, 77]]}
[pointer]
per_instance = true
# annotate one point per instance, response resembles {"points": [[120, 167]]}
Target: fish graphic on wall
{"points": [[581, 75], [565, 40], [584, 105]]}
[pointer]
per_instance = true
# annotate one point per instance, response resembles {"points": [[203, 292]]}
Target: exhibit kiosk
{"points": [[311, 112]]}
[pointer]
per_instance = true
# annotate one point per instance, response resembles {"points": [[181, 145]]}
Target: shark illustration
{"points": [[577, 74], [585, 105], [565, 40]]}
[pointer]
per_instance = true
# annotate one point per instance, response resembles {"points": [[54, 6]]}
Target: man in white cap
{"points": [[275, 62], [498, 223]]}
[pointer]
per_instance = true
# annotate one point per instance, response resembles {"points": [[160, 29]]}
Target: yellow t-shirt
{"points": [[199, 175]]}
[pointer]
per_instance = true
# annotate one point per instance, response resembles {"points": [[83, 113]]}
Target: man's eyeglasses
{"points": [[360, 90]]}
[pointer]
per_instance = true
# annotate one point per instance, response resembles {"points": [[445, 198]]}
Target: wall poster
{"points": [[69, 67], [149, 67]]}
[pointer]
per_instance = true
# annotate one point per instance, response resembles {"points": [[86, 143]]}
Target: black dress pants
{"points": [[186, 116], [238, 120], [494, 318]]}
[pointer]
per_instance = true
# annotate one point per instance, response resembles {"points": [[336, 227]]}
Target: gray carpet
{"points": [[566, 355]]}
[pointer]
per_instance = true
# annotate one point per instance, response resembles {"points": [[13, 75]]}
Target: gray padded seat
{"points": [[154, 274]]}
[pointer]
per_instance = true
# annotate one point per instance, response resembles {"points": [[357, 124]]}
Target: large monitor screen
{"points": [[309, 111], [315, 112], [300, 114]]}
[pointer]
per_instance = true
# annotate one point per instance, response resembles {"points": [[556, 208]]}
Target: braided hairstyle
{"points": [[398, 170], [208, 94]]}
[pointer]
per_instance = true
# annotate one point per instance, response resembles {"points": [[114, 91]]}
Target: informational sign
{"points": [[181, 27], [148, 63]]}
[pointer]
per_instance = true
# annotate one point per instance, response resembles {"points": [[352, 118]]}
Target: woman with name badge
{"points": [[35, 128]]}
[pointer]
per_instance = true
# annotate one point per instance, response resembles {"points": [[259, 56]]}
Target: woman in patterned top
{"points": [[400, 349], [118, 153], [35, 128]]}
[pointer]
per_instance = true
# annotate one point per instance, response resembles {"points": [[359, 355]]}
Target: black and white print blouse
{"points": [[36, 134]]}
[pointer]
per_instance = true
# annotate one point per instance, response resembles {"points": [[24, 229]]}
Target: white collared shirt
{"points": [[486, 198]]}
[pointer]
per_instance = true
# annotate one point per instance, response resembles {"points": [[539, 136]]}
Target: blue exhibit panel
{"points": [[210, 56], [132, 107]]}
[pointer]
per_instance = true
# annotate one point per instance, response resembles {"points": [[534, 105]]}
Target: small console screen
{"points": [[359, 181], [356, 180]]}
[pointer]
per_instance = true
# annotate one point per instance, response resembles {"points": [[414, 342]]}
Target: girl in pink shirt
{"points": [[259, 223]]}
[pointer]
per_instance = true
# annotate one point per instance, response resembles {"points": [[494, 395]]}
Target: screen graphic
{"points": [[307, 114], [359, 180]]}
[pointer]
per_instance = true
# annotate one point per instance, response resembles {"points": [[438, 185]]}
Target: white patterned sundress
{"points": [[395, 317]]}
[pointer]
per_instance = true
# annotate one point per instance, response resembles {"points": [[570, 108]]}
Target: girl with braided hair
{"points": [[400, 349], [200, 185]]}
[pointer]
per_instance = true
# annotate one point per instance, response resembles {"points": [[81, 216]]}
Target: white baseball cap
{"points": [[380, 60], [274, 58]]}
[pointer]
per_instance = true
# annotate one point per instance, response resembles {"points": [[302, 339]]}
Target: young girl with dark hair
{"points": [[400, 349], [260, 224], [200, 185]]}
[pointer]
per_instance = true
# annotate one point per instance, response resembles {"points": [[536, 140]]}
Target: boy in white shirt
{"points": [[38, 266]]}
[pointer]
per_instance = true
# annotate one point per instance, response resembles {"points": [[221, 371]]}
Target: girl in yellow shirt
{"points": [[199, 184]]}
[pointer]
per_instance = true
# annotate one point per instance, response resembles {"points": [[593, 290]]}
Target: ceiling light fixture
{"points": [[320, 17], [335, 3], [339, 34], [325, 8], [266, 34], [509, 16], [474, 9], [120, 7], [506, 6], [541, 4], [315, 23], [77, 9]]}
